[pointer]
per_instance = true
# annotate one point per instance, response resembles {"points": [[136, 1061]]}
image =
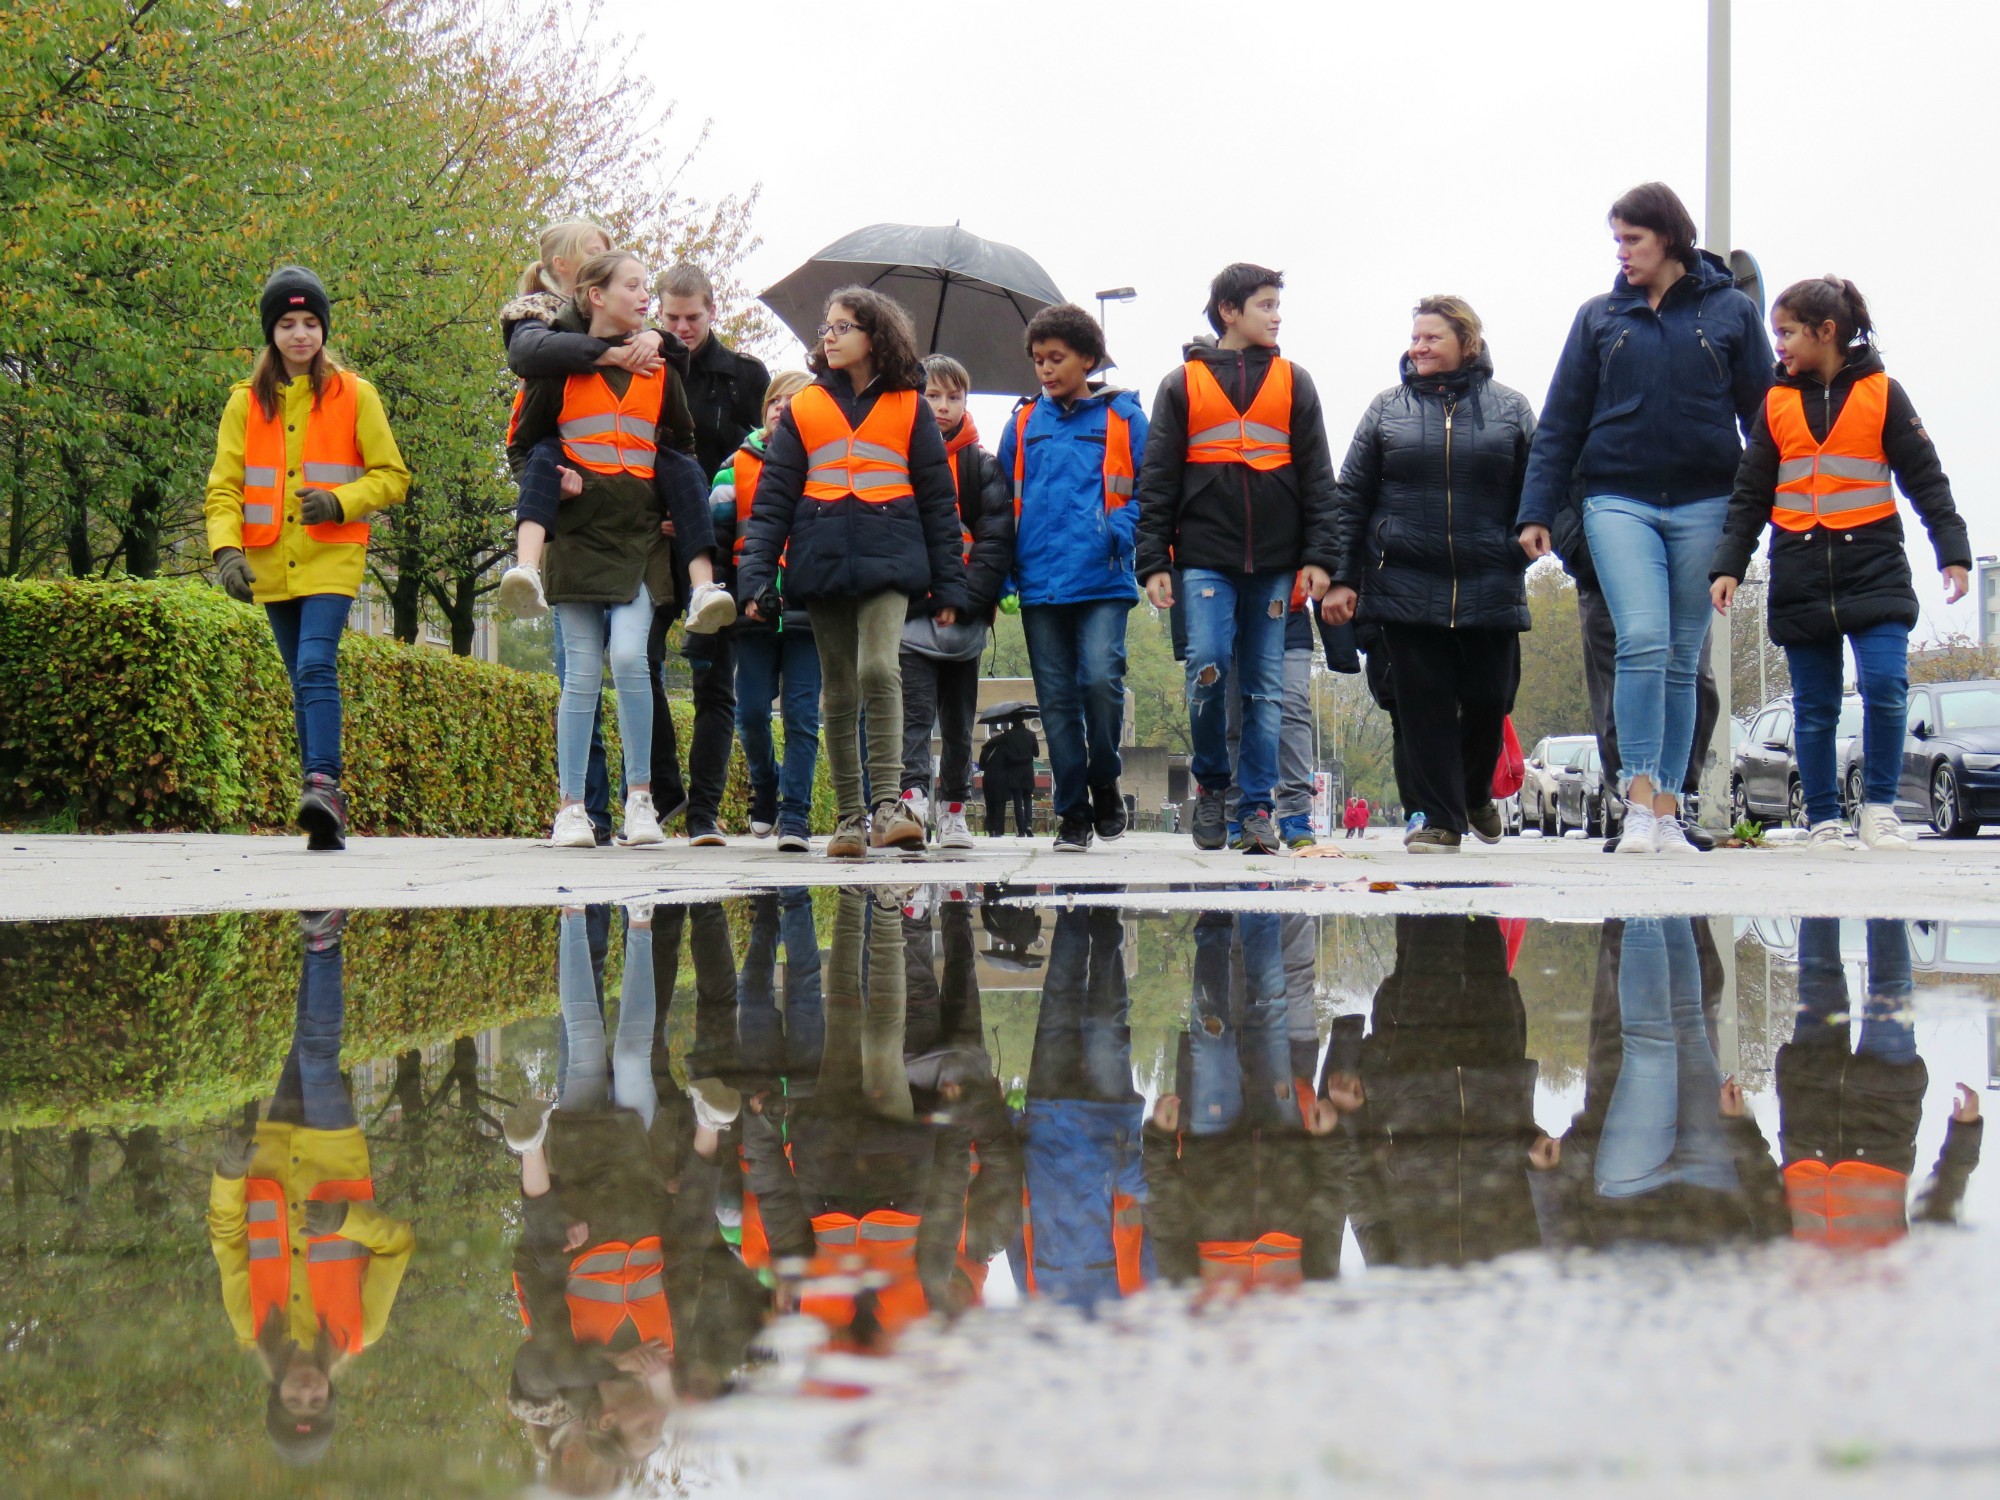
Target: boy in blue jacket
{"points": [[1073, 454]]}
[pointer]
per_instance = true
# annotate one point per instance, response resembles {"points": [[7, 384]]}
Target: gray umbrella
{"points": [[969, 298]]}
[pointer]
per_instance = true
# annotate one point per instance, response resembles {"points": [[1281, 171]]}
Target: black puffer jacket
{"points": [[1834, 579], [1427, 500], [851, 548], [987, 515], [725, 392], [1230, 517]]}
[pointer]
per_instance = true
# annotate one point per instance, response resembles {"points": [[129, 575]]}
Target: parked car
{"points": [[1950, 775], [1584, 800], [1510, 814], [1541, 781], [1764, 771]]}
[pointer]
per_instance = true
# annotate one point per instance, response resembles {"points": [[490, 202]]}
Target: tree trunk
{"points": [[406, 599], [142, 531], [17, 505], [463, 614]]}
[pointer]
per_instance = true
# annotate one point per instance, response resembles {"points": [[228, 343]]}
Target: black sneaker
{"points": [[1210, 826], [323, 813], [601, 832], [1702, 838], [1259, 835], [1073, 836], [703, 833], [1486, 823], [1107, 811]]}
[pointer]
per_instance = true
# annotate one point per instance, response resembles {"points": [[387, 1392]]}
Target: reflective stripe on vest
{"points": [[885, 1242], [612, 1283], [1270, 1257], [872, 462], [330, 456], [1218, 434], [1119, 475], [335, 1268], [1851, 1205], [608, 433], [1843, 481]]}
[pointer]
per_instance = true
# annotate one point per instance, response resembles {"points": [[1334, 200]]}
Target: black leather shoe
{"points": [[1107, 812]]}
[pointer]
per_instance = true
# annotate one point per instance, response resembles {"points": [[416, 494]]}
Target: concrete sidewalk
{"points": [[167, 874]]}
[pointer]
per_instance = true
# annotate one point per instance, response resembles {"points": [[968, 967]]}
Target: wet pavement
{"points": [[1006, 1188]]}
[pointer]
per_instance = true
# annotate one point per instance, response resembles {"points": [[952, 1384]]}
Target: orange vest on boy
{"points": [[749, 469], [607, 433], [1843, 481], [611, 1284], [1851, 1205], [1219, 434], [1272, 1259], [330, 457], [1119, 474], [872, 462], [335, 1268], [885, 1242]]}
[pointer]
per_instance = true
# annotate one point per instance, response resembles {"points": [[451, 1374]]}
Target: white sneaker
{"points": [[709, 609], [760, 829], [526, 1125], [521, 593], [573, 830], [918, 806], [1882, 829], [953, 831], [1636, 836], [1669, 837], [1829, 837], [716, 1104], [639, 913], [642, 824]]}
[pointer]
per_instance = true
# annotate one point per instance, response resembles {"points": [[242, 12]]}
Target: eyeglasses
{"points": [[838, 330]]}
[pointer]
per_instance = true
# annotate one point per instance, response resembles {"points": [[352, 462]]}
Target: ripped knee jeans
{"points": [[1239, 616]]}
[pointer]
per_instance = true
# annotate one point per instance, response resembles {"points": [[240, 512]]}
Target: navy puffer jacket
{"points": [[1427, 499]]}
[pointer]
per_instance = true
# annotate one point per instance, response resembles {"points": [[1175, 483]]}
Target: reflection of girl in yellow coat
{"points": [[310, 1266]]}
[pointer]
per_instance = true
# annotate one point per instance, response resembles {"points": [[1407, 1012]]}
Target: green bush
{"points": [[164, 705]]}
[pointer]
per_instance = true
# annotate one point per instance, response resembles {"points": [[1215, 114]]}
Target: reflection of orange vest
{"points": [[1128, 1242], [611, 1283], [1119, 475], [1218, 434], [330, 457], [335, 1267], [872, 463], [883, 1241], [1272, 1259], [608, 433], [1852, 1205], [1843, 481]]}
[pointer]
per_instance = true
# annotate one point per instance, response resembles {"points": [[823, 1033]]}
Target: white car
{"points": [[1554, 757]]}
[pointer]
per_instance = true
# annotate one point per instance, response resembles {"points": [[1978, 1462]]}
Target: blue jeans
{"points": [[308, 632], [765, 659], [1239, 616], [310, 1090], [597, 772], [1664, 1124], [785, 1043], [1652, 564], [589, 1079], [1077, 655], [1083, 1028], [584, 648], [1824, 1010], [1882, 670], [1240, 1055]]}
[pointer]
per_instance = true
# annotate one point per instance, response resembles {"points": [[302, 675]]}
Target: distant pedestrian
{"points": [[1658, 377], [1073, 453], [1007, 771], [1427, 557], [857, 497], [1237, 494], [303, 457], [1831, 434]]}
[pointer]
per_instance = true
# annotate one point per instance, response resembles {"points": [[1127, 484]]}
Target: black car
{"points": [[1950, 775], [1764, 770]]}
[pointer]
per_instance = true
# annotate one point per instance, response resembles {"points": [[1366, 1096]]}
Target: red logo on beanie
{"points": [[298, 302]]}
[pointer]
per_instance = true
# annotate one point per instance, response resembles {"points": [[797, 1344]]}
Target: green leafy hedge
{"points": [[164, 705]]}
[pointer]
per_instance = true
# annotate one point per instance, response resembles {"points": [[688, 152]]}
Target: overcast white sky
{"points": [[1377, 152]]}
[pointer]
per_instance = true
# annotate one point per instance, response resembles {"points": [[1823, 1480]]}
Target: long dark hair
{"points": [[268, 378], [1655, 206], [1829, 298], [897, 364]]}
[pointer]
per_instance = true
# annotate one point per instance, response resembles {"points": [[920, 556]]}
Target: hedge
{"points": [[164, 705]]}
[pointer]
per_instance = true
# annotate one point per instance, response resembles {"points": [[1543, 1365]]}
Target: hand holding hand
{"points": [[319, 507], [1167, 1112], [232, 571], [1957, 583], [1314, 581], [1160, 590], [1535, 542], [1336, 606], [1346, 1092], [1723, 592]]}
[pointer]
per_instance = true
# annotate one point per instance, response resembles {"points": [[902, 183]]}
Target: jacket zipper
{"points": [[1711, 356], [1832, 596], [1450, 542], [1242, 409], [1623, 334]]}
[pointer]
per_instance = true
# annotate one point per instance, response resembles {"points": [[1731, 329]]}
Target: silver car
{"points": [[1554, 757]]}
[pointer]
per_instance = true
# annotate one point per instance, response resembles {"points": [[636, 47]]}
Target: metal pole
{"points": [[1715, 777]]}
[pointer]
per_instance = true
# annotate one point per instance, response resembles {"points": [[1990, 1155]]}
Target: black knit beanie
{"points": [[294, 289]]}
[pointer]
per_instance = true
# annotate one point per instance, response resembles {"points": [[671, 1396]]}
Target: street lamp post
{"points": [[1104, 299], [1715, 778]]}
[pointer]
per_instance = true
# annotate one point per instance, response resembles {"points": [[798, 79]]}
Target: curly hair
{"points": [[890, 333], [1071, 324]]}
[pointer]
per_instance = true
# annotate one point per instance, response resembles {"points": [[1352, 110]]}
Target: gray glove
{"points": [[232, 1156], [321, 508], [325, 1218], [232, 571]]}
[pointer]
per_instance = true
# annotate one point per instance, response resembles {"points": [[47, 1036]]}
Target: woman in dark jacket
{"points": [[1427, 500]]}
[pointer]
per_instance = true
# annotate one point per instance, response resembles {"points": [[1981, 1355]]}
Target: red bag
{"points": [[1511, 769]]}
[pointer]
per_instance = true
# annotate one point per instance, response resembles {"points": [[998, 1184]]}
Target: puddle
{"points": [[1001, 1192]]}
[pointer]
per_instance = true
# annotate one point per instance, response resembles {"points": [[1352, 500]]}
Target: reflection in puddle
{"points": [[668, 1195]]}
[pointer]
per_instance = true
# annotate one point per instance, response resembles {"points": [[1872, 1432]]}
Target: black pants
{"points": [[996, 813], [1600, 679], [713, 660], [1454, 689], [1382, 688], [944, 693]]}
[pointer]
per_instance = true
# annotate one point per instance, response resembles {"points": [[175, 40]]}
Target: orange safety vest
{"points": [[872, 463], [607, 433], [883, 1241], [1119, 475], [336, 1268], [1851, 1205], [1218, 434], [1270, 1259], [1128, 1242], [1843, 481], [749, 469], [610, 1284], [331, 458]]}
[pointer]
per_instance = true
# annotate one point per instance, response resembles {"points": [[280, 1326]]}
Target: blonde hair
{"points": [[784, 384], [597, 273], [1464, 322], [564, 241]]}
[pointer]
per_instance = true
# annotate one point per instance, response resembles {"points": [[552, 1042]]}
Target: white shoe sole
{"points": [[716, 611], [644, 840], [794, 843], [958, 841], [521, 598]]}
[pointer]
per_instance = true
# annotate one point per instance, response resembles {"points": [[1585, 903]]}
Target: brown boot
{"points": [[894, 826]]}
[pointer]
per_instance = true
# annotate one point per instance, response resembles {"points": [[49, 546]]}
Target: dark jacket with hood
{"points": [[725, 393], [1646, 402], [1230, 517], [851, 548], [1427, 501], [986, 514], [1831, 580], [545, 336]]}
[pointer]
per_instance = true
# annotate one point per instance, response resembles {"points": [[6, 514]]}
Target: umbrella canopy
{"points": [[968, 297], [1000, 713]]}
